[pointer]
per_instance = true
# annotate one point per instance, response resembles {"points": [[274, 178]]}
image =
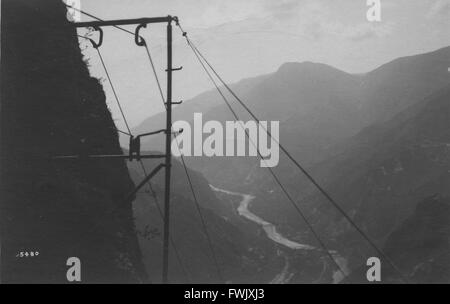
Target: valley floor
{"points": [[271, 231]]}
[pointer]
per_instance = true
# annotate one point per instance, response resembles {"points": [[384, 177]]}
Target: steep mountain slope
{"points": [[413, 144], [377, 142], [244, 254], [420, 245], [318, 107], [51, 106], [386, 170], [315, 104], [378, 179], [395, 86]]}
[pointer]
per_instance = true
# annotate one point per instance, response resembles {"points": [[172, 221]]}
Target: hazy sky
{"points": [[253, 37]]}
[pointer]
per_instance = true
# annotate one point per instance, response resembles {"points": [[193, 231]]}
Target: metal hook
{"points": [[175, 69], [137, 38], [96, 45]]}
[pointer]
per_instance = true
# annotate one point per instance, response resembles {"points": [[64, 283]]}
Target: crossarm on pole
{"points": [[124, 22]]}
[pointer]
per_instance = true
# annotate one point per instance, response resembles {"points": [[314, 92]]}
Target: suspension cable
{"points": [[113, 90], [123, 132], [154, 71], [297, 164], [300, 167], [143, 168], [155, 197], [219, 273], [197, 205], [291, 200], [141, 162]]}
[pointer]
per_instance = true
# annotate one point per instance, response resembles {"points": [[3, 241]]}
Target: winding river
{"points": [[272, 233]]}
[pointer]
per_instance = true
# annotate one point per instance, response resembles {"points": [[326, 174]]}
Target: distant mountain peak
{"points": [[307, 67]]}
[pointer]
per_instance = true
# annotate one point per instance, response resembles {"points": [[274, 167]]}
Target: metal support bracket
{"points": [[135, 144], [137, 37], [96, 45], [130, 196]]}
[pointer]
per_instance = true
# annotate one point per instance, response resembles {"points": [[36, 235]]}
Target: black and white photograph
{"points": [[223, 147]]}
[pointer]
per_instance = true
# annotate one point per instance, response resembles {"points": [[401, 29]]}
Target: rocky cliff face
{"points": [[51, 106]]}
